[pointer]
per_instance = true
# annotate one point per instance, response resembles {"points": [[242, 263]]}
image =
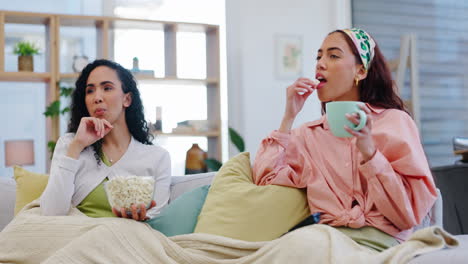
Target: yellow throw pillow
{"points": [[29, 186], [236, 207]]}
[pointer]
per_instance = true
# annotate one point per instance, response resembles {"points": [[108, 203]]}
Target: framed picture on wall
{"points": [[288, 56]]}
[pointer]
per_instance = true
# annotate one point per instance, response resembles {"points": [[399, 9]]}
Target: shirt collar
{"points": [[323, 120]]}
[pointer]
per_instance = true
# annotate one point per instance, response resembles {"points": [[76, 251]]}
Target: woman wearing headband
{"points": [[375, 186]]}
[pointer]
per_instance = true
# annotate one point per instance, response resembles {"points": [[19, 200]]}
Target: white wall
{"points": [[256, 97]]}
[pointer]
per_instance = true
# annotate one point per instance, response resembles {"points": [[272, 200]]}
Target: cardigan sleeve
{"points": [[57, 196], [162, 184]]}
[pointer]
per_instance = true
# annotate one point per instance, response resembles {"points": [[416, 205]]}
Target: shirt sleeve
{"points": [[162, 185], [400, 182], [280, 160], [56, 198]]}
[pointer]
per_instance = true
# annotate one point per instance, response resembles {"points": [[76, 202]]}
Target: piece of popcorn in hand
{"points": [[315, 81]]}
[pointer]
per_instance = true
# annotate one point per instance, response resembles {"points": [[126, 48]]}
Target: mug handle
{"points": [[362, 120]]}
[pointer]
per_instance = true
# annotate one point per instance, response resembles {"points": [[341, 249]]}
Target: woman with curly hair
{"points": [[107, 137]]}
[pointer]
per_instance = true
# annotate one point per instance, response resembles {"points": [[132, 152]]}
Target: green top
{"points": [[370, 237], [96, 203]]}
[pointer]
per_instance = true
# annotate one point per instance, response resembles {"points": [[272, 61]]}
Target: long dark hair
{"points": [[378, 88], [134, 115]]}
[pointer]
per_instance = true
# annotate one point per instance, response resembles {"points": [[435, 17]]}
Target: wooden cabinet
{"points": [[104, 27]]}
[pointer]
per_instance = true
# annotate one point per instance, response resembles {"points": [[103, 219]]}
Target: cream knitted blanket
{"points": [[76, 238]]}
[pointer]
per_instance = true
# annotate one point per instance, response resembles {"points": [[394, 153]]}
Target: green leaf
{"points": [[237, 140], [53, 109], [66, 91], [65, 110], [51, 146], [25, 48], [213, 164]]}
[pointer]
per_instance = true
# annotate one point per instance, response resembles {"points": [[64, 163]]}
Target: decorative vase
{"points": [[195, 160], [158, 124], [25, 63]]}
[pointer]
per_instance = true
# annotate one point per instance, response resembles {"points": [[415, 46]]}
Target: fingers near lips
{"points": [[107, 124], [304, 86]]}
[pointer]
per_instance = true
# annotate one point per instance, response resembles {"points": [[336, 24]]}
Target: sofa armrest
{"points": [[435, 215], [7, 200], [182, 184]]}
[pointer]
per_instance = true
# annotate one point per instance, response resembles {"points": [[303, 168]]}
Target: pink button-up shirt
{"points": [[393, 191]]}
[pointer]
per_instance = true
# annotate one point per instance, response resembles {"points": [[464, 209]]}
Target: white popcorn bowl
{"points": [[122, 192]]}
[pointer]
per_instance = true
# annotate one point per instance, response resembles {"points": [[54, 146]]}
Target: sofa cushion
{"points": [[235, 207], [29, 186], [180, 216], [183, 184]]}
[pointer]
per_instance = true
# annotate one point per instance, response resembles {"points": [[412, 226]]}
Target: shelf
{"points": [[146, 78], [174, 80], [106, 30], [67, 76], [193, 134], [80, 21], [131, 23], [27, 18], [25, 76]]}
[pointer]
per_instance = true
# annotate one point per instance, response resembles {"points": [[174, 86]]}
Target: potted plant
{"points": [[25, 50], [54, 110], [237, 140]]}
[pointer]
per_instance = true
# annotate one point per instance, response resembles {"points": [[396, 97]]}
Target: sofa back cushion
{"points": [[29, 186], [180, 215], [186, 183], [236, 207]]}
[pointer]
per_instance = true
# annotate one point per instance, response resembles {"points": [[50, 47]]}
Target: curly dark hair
{"points": [[134, 116]]}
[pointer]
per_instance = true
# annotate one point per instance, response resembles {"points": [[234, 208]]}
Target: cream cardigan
{"points": [[72, 180]]}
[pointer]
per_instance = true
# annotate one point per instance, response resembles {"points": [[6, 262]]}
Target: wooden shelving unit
{"points": [[104, 47], [209, 134], [25, 76]]}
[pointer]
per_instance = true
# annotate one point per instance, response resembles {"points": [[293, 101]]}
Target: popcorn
{"points": [[122, 192], [303, 91]]}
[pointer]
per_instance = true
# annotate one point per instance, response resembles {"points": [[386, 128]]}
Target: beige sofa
{"points": [[181, 184]]}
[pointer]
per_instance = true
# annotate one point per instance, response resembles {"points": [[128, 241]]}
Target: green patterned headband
{"points": [[364, 44]]}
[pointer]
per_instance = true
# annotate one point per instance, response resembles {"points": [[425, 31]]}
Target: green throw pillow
{"points": [[180, 216], [237, 208]]}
